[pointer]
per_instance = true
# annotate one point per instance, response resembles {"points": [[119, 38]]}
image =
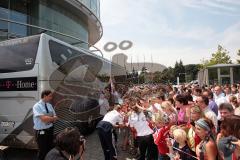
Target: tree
{"points": [[133, 76], [157, 77], [204, 63], [141, 78], [191, 71], [238, 60], [221, 56], [179, 71], [167, 75], [144, 69]]}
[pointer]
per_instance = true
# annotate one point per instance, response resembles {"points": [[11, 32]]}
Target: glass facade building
{"points": [[223, 74], [74, 21]]}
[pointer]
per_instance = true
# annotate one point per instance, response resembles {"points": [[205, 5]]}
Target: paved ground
{"points": [[93, 151]]}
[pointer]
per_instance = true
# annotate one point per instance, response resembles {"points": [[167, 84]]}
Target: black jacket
{"points": [[55, 154]]}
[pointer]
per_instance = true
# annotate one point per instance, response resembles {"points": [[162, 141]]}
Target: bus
{"points": [[77, 78]]}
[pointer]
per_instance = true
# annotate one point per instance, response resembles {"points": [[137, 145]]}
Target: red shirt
{"points": [[234, 157], [197, 140], [159, 139]]}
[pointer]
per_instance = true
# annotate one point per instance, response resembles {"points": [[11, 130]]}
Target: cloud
{"points": [[231, 41], [163, 55], [227, 7], [160, 29], [107, 17]]}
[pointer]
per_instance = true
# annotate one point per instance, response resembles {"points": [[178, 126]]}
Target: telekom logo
{"points": [[8, 84]]}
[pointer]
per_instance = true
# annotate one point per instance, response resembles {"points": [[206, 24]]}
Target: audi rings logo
{"points": [[124, 45]]}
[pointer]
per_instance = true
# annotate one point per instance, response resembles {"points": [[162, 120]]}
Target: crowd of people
{"points": [[187, 123], [158, 122]]}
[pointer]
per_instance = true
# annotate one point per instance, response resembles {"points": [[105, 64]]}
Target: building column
{"points": [[207, 77], [231, 75], [219, 78]]}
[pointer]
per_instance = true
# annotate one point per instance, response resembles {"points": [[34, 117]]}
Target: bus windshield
{"points": [[18, 55], [61, 53]]}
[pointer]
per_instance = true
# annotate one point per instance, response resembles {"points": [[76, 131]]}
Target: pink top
{"points": [[182, 116]]}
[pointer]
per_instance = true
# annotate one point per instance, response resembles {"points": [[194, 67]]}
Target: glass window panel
{"points": [[212, 75], [94, 6], [225, 80], [52, 16], [3, 25], [225, 71], [16, 29], [236, 74]]}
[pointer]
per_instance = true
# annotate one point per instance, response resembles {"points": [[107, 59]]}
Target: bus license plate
{"points": [[7, 124]]}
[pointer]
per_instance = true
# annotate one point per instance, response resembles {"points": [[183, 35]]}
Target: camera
{"points": [[225, 145]]}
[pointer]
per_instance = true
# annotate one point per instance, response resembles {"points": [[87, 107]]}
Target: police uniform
{"points": [[105, 133], [43, 131]]}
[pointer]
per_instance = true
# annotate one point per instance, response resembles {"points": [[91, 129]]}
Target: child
{"points": [[180, 145], [162, 123]]}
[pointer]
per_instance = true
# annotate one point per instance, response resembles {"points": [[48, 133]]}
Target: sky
{"points": [[165, 31]]}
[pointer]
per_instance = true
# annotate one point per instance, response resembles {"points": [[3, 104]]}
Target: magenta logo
{"points": [[18, 84], [8, 84]]}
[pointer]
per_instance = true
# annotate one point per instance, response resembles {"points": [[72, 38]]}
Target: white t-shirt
{"points": [[219, 99], [113, 117], [139, 122]]}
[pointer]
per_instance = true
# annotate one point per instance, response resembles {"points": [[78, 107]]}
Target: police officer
{"points": [[43, 118]]}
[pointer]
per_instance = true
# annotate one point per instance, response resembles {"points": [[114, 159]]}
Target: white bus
{"points": [[32, 64]]}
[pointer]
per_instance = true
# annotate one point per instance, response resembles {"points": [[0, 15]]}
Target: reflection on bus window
{"points": [[60, 53], [18, 57]]}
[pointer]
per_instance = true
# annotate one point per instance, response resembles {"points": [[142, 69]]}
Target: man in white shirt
{"points": [[105, 131], [139, 123], [43, 117], [219, 98]]}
